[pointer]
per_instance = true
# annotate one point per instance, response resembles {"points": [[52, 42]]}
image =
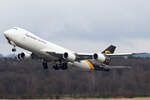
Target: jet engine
{"points": [[99, 57], [24, 56], [69, 56]]}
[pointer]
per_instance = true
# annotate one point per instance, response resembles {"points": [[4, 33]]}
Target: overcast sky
{"points": [[80, 25]]}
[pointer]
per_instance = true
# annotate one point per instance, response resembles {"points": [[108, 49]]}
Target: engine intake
{"points": [[24, 56], [100, 57], [69, 56], [65, 55]]}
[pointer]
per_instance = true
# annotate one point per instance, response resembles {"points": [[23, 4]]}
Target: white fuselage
{"points": [[26, 40]]}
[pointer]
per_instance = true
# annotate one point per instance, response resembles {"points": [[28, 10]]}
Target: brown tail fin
{"points": [[109, 50]]}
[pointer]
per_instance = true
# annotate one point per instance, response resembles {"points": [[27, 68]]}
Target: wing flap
{"points": [[84, 56], [58, 55]]}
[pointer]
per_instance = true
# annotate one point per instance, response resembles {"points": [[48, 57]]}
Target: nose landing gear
{"points": [[14, 49]]}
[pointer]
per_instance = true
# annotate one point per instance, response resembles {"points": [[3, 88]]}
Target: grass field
{"points": [[108, 99], [101, 99], [87, 99]]}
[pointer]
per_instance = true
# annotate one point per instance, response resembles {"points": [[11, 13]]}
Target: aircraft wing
{"points": [[124, 54], [83, 56], [58, 55]]}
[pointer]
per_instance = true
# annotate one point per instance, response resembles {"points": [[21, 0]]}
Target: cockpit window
{"points": [[15, 28]]}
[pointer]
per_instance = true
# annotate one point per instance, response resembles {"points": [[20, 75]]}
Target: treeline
{"points": [[27, 79]]}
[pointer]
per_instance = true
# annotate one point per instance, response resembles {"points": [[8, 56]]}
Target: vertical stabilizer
{"points": [[109, 50]]}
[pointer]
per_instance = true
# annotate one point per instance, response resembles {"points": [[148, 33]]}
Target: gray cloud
{"points": [[93, 21]]}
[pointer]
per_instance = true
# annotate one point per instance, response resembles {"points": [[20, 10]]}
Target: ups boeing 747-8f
{"points": [[60, 57]]}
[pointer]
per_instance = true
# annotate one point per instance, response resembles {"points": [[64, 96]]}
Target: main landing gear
{"points": [[45, 65], [62, 66]]}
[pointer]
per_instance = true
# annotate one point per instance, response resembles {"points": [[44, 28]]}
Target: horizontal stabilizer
{"points": [[117, 67]]}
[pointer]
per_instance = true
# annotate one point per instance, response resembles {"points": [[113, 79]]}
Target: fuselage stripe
{"points": [[90, 64]]}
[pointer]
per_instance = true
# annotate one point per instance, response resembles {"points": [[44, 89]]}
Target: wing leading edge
{"points": [[124, 54]]}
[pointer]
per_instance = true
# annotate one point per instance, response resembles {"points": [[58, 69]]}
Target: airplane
{"points": [[60, 57]]}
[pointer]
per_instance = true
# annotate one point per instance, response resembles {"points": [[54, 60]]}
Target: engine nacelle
{"points": [[24, 56], [100, 57], [69, 56]]}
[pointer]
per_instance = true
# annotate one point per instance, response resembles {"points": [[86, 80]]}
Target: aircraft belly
{"points": [[88, 65], [82, 65]]}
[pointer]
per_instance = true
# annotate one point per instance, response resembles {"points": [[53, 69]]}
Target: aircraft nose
{"points": [[6, 33]]}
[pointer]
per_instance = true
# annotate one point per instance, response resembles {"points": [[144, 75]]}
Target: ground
{"points": [[87, 99], [102, 99]]}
